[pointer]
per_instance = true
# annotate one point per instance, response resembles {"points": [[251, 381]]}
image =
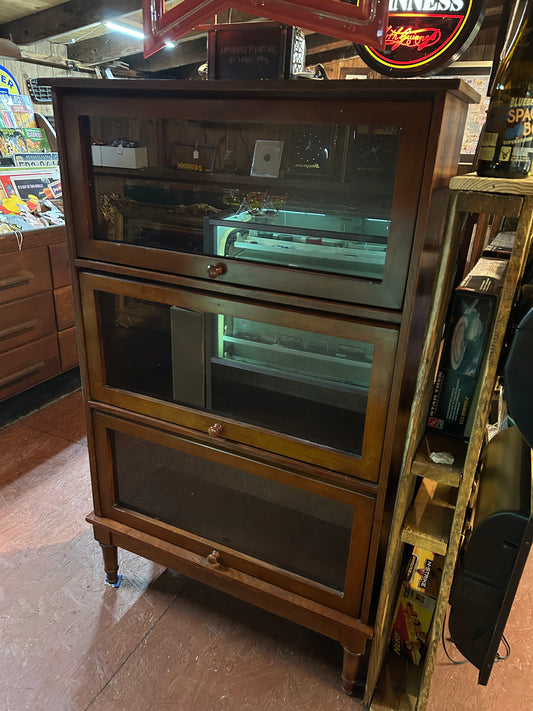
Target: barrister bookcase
{"points": [[253, 265]]}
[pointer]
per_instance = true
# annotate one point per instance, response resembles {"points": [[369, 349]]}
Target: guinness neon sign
{"points": [[423, 36]]}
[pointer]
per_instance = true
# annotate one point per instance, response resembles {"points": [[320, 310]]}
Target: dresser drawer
{"points": [[24, 273], [26, 320], [68, 348], [64, 304], [28, 365], [60, 264]]}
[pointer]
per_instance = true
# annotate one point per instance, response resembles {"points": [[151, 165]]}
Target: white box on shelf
{"points": [[120, 157]]}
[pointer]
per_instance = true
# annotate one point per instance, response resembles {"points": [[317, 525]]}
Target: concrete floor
{"points": [[161, 641]]}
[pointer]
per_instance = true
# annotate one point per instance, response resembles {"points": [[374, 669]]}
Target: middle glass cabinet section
{"points": [[312, 197], [297, 384]]}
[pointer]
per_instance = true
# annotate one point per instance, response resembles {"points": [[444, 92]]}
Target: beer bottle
{"points": [[506, 145]]}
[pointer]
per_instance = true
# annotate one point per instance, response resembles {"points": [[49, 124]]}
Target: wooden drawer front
{"points": [[64, 308], [68, 348], [26, 320], [24, 273], [305, 535], [28, 365], [60, 264]]}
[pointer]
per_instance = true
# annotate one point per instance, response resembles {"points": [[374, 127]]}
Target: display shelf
{"points": [[478, 197], [424, 466], [428, 522]]}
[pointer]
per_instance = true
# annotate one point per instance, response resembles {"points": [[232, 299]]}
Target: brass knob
{"points": [[215, 430], [215, 270], [213, 557]]}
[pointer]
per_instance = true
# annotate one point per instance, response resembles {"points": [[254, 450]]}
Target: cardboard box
{"points": [[120, 157], [467, 332], [415, 606]]}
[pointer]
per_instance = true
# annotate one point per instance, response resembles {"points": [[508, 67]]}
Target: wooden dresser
{"points": [[37, 329]]}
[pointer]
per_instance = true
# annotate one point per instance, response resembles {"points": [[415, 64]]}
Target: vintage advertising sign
{"points": [[360, 21], [8, 83], [424, 35]]}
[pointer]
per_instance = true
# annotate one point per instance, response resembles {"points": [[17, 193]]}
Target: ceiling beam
{"points": [[104, 48], [191, 51], [64, 18]]}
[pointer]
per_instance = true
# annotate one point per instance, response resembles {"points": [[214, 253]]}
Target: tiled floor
{"points": [[160, 641]]}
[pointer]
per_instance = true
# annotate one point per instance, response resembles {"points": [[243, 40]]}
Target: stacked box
{"points": [[466, 335], [415, 605]]}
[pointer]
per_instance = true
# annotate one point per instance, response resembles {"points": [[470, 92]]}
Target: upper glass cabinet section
{"points": [[316, 197]]}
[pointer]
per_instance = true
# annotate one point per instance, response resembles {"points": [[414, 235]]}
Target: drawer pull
{"points": [[215, 430], [20, 374], [15, 280], [17, 329], [213, 558], [216, 270]]}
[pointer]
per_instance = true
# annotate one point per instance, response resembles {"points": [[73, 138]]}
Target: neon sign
{"points": [[423, 36]]}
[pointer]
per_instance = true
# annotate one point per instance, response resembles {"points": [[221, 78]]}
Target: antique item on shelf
{"points": [[310, 149], [266, 160]]}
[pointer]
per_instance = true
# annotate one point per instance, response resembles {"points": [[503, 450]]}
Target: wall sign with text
{"points": [[424, 35], [360, 21]]}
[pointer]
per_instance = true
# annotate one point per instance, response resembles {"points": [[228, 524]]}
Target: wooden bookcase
{"points": [[435, 517], [251, 334]]}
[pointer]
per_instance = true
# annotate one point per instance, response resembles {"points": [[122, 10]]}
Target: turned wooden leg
{"points": [[110, 554], [350, 669]]}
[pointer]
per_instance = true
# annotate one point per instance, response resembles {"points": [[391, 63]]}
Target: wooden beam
{"points": [[64, 18], [104, 48], [193, 51]]}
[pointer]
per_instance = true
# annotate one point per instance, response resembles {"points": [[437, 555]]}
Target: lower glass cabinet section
{"points": [[255, 516], [321, 382]]}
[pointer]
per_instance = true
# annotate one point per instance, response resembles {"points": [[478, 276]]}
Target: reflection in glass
{"points": [[310, 385], [284, 526]]}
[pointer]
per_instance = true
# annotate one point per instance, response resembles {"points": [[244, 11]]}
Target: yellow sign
{"points": [[8, 83]]}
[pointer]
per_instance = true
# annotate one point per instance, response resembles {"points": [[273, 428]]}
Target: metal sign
{"points": [[359, 21], [424, 35]]}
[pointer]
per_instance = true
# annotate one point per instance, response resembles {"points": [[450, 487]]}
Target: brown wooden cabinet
{"points": [[253, 270], [37, 325]]}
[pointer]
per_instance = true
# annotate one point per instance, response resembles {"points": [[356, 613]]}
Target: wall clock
{"points": [[375, 151], [310, 149]]}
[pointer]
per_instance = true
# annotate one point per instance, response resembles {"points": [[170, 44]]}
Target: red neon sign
{"points": [[361, 21], [419, 42]]}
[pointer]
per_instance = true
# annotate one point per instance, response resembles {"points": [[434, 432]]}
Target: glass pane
{"points": [[276, 523], [310, 385], [310, 196]]}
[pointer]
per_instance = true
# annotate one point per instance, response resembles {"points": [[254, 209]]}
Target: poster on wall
{"points": [[424, 36]]}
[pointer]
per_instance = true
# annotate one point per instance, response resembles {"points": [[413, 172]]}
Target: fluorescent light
{"points": [[170, 45], [124, 29]]}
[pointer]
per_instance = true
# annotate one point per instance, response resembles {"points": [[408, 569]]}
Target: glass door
{"points": [[322, 206], [299, 384]]}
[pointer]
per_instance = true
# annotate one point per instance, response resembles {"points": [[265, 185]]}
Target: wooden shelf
{"points": [[428, 522], [425, 467], [398, 685]]}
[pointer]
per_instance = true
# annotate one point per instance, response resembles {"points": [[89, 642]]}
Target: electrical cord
{"points": [[499, 657]]}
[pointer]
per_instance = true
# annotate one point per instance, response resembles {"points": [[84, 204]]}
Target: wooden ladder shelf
{"points": [[435, 517]]}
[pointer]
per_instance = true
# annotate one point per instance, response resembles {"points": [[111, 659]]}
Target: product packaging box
{"points": [[415, 605], [120, 157], [468, 328]]}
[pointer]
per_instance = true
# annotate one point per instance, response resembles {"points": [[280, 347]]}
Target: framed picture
{"points": [[267, 159], [194, 157]]}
